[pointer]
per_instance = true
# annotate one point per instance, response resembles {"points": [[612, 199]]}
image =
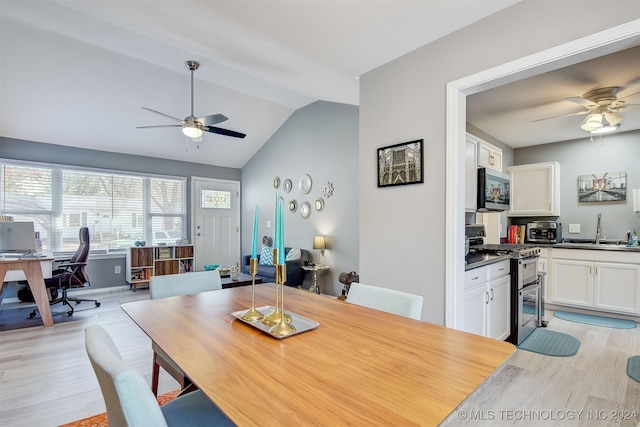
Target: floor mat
{"points": [[590, 319], [633, 368], [550, 343]]}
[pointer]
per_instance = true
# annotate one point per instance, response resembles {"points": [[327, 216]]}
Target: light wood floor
{"points": [[46, 379]]}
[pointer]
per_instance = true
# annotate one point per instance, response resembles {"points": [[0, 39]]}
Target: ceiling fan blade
{"points": [[627, 96], [212, 119], [580, 100], [162, 114], [225, 132], [159, 126], [630, 107], [562, 115]]}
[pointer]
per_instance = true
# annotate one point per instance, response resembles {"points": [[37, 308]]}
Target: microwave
{"points": [[544, 232], [493, 190]]}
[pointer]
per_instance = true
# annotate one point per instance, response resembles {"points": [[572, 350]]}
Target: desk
{"points": [[32, 268], [359, 367]]}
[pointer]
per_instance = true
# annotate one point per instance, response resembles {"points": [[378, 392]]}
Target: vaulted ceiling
{"points": [[76, 73]]}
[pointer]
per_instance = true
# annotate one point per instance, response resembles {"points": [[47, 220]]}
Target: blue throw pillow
{"points": [[266, 255]]}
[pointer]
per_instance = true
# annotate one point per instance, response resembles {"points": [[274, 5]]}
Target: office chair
{"points": [[71, 274], [129, 401], [171, 285], [389, 300]]}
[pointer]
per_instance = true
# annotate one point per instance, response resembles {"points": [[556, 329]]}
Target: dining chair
{"points": [[389, 300], [171, 285], [129, 401]]}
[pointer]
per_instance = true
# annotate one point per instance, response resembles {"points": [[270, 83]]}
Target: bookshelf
{"points": [[148, 261]]}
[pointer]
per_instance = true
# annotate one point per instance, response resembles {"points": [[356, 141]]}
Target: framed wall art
{"points": [[401, 164], [602, 187]]}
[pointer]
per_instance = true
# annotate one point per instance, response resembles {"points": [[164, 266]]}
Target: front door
{"points": [[215, 226]]}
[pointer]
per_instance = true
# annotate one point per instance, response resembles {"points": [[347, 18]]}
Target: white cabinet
{"points": [[596, 279], [574, 282], [489, 156], [471, 174], [487, 300], [535, 189]]}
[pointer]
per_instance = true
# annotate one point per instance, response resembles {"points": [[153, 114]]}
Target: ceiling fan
{"points": [[193, 126], [603, 108]]}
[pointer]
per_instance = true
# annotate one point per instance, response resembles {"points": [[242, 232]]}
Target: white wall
{"points": [[402, 228], [606, 153], [321, 140]]}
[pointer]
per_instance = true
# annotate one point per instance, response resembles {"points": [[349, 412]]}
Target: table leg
{"points": [[33, 273]]}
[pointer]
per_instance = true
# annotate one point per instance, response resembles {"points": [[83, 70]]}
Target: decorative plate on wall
{"points": [[293, 206], [287, 185], [305, 210], [318, 204], [305, 184], [276, 182], [327, 191]]}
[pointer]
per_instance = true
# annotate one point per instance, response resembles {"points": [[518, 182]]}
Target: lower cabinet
{"points": [[592, 282], [487, 301]]}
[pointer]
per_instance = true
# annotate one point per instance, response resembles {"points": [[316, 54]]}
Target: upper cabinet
{"points": [[489, 156], [535, 189]]}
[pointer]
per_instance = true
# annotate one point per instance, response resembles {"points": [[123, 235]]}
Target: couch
{"points": [[295, 273]]}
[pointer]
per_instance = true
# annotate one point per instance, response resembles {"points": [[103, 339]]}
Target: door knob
{"points": [[198, 233]]}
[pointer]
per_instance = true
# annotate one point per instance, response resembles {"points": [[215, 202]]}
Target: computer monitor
{"points": [[16, 236]]}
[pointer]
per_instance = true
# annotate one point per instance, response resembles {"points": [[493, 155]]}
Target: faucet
{"points": [[598, 231]]}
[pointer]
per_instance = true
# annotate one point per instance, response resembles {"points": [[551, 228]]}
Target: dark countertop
{"points": [[589, 245], [480, 260]]}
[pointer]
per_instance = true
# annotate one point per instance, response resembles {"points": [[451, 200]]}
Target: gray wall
{"points": [[102, 270], [321, 140], [402, 229], [608, 153]]}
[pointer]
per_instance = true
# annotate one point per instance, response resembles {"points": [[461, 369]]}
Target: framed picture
{"points": [[400, 164], [603, 187]]}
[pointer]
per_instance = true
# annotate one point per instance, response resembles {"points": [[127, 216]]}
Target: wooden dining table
{"points": [[359, 366]]}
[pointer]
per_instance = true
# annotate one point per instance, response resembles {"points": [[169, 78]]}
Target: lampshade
{"points": [[319, 242], [192, 131], [592, 123], [636, 199]]}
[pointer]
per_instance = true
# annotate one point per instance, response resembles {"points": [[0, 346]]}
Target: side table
{"points": [[315, 268]]}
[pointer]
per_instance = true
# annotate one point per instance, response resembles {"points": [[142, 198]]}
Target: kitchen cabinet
{"points": [[598, 280], [535, 189], [487, 300], [489, 156], [144, 262], [471, 174]]}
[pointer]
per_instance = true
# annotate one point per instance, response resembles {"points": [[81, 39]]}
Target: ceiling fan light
{"points": [[606, 129], [592, 123], [192, 131]]}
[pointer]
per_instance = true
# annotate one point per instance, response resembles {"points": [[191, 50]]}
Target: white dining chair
{"points": [[171, 285], [389, 300], [129, 401]]}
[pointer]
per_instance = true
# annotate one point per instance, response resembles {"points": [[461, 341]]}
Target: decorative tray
{"points": [[300, 323]]}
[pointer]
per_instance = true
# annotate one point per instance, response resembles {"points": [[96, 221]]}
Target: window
{"points": [[215, 199], [118, 208]]}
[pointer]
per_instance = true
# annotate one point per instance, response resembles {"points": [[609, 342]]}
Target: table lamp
{"points": [[319, 242]]}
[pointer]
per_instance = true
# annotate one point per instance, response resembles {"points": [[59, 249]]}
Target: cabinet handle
{"points": [[475, 278], [501, 269], [491, 294], [486, 297]]}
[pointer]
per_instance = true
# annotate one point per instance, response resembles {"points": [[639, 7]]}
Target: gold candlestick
{"points": [[252, 313], [283, 326], [274, 317]]}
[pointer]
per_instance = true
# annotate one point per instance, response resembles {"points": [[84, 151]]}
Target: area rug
{"points": [[589, 319], [633, 368], [550, 343], [18, 317], [101, 420]]}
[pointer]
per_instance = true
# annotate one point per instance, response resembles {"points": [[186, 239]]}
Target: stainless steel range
{"points": [[526, 293]]}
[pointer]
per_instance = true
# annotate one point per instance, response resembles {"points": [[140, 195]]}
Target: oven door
{"points": [[528, 310]]}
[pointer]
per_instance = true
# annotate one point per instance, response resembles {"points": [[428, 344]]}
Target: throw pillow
{"points": [[293, 254], [266, 256]]}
